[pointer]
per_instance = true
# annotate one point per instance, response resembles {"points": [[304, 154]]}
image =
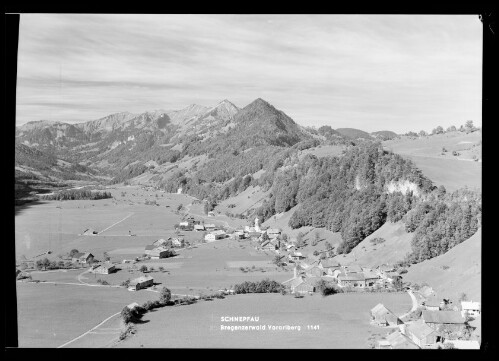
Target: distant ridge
{"points": [[353, 133]]}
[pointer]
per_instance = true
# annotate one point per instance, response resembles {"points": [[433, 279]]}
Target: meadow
{"points": [[343, 321]]}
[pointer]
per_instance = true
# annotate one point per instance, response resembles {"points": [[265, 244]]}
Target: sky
{"points": [[371, 72]]}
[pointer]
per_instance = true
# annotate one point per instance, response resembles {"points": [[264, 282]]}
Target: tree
{"points": [[299, 240], [438, 130], [126, 314], [469, 127], [452, 128], [179, 208], [463, 297], [165, 295], [105, 256], [73, 252], [328, 246], [316, 238], [422, 133], [143, 268], [284, 237]]}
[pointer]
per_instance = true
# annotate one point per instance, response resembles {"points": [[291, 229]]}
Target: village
{"points": [[433, 322]]}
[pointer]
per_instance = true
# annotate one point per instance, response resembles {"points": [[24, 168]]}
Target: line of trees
{"points": [[76, 194]]}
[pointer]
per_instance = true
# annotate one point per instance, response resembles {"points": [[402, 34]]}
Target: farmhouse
{"points": [[382, 316], [214, 235], [268, 246], [238, 235], [351, 279], [305, 287], [105, 268], [293, 282], [470, 308], [397, 340], [199, 228], [421, 334], [295, 256], [452, 320], [186, 226], [209, 227], [211, 214], [329, 265], [371, 277], [140, 283], [254, 235], [83, 258], [160, 252]]}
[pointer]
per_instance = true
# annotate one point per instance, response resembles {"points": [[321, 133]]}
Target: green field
{"points": [[49, 315], [343, 322]]}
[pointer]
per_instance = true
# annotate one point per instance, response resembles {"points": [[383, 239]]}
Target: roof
{"points": [[150, 247], [464, 344], [328, 263], [419, 329], [273, 230], [198, 226], [159, 241], [106, 265], [78, 255], [293, 282], [352, 277], [470, 305], [380, 310], [209, 225], [399, 341], [453, 317], [86, 255], [141, 279], [219, 232]]}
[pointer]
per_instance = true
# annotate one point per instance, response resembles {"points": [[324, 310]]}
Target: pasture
{"points": [[343, 321], [49, 315]]}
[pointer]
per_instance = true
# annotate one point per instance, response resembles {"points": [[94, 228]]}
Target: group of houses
{"points": [[438, 324], [310, 269]]}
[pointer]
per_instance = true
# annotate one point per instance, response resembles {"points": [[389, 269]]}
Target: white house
{"points": [[214, 235], [471, 308]]}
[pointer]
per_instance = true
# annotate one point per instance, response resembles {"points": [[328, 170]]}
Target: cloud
{"points": [[369, 72]]}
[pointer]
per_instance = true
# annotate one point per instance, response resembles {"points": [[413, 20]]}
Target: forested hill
{"points": [[351, 194]]}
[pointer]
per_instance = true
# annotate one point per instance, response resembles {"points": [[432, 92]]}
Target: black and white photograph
{"points": [[248, 181]]}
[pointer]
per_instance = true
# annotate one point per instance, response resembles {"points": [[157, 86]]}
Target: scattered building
{"points": [[351, 279], [353, 268], [209, 227], [382, 316], [421, 334], [329, 265], [199, 228], [160, 252], [140, 283], [296, 256], [83, 258], [433, 303], [176, 242], [453, 320], [161, 242], [105, 268], [470, 308], [214, 236]]}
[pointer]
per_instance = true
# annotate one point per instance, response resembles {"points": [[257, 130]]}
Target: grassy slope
{"points": [[397, 244], [463, 274], [343, 321], [451, 171]]}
